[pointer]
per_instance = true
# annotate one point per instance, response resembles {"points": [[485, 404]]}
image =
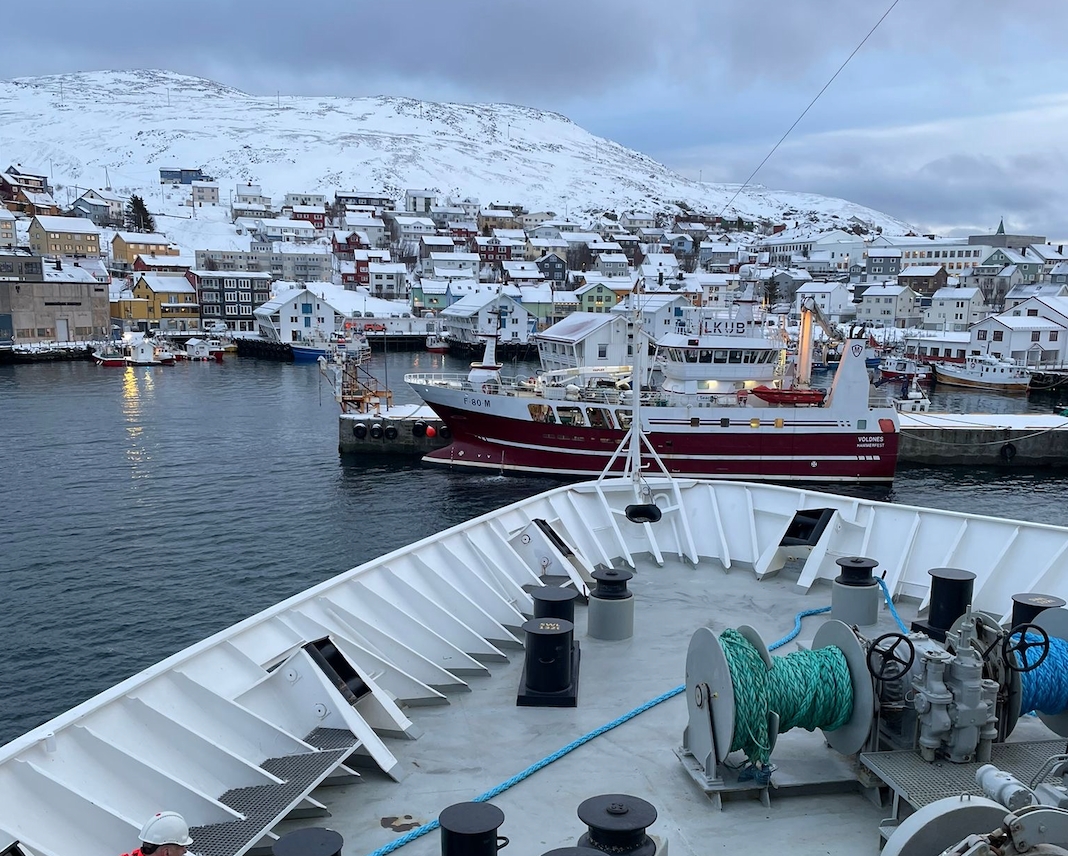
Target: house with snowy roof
{"points": [[7, 228], [889, 306], [924, 280], [67, 236], [585, 339], [955, 309], [475, 316], [833, 299]]}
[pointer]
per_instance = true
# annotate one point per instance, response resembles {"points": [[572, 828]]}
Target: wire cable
{"points": [[782, 139]]}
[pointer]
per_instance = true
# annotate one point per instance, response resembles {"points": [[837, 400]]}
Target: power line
{"points": [[782, 139]]}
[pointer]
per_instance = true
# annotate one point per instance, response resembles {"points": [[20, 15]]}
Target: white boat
{"points": [[396, 684], [903, 368], [984, 371]]}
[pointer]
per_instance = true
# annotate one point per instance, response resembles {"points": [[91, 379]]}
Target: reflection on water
{"points": [[147, 508]]}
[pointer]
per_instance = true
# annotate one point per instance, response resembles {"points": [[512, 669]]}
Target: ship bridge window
{"points": [[735, 357], [691, 355], [542, 413], [624, 417], [749, 356], [706, 356], [599, 417], [720, 357], [571, 416]]}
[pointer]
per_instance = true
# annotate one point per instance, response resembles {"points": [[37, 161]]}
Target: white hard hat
{"points": [[166, 827]]}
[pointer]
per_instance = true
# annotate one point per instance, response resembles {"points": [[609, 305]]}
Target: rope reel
{"points": [[1043, 682]]}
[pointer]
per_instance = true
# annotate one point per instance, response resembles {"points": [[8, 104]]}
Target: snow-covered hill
{"points": [[133, 122]]}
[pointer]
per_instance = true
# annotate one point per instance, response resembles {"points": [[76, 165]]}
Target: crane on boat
{"points": [[810, 312]]}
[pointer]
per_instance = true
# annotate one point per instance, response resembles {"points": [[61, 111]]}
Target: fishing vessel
{"points": [[984, 371], [110, 355], [436, 343], [903, 368], [704, 419]]}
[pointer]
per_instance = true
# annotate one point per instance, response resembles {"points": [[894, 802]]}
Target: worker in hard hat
{"points": [[164, 834]]}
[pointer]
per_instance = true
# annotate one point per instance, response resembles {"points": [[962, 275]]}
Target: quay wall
{"points": [[356, 432], [983, 447]]}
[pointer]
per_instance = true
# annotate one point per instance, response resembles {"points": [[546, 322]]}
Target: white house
{"points": [[419, 201], [475, 315], [290, 231], [372, 227], [411, 228], [717, 288], [655, 265], [204, 193], [465, 263], [954, 309], [661, 312], [294, 199], [250, 194], [316, 311], [637, 220], [1029, 340], [585, 339], [832, 298], [7, 228], [889, 306], [521, 273], [388, 280]]}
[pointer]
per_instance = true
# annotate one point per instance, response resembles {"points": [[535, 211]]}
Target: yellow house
{"points": [[171, 301], [126, 246], [64, 236], [127, 311]]}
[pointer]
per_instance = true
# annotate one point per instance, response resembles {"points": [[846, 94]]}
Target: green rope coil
{"points": [[807, 689]]}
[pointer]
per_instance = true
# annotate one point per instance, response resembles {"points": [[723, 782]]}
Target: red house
{"points": [[346, 243], [493, 251], [314, 214]]}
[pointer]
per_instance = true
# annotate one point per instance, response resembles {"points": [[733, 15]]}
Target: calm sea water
{"points": [[146, 508]]}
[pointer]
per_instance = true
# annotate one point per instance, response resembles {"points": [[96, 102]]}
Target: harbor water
{"points": [[146, 508]]}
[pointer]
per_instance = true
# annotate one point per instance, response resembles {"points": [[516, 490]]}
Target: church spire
{"points": [[1001, 227]]}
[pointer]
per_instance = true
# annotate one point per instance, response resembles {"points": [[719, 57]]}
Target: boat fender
{"points": [[376, 431], [1008, 452], [419, 429], [391, 432], [359, 430], [444, 432]]}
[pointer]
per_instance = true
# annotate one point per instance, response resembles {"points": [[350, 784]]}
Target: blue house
{"points": [[180, 175], [553, 267]]}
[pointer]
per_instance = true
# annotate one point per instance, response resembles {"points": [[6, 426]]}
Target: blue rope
{"points": [[420, 831], [890, 603], [1045, 689]]}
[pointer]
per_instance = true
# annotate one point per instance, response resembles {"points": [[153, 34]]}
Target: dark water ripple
{"points": [[144, 509]]}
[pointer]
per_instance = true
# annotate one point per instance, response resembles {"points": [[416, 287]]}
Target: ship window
{"points": [[706, 356], [735, 357], [571, 416], [691, 355], [542, 413], [623, 417], [720, 357], [749, 356], [598, 417]]}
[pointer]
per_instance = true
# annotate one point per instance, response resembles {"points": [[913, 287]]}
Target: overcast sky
{"points": [[952, 116]]}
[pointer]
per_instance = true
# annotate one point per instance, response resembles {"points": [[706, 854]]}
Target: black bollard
{"points": [[554, 602], [470, 829], [1027, 606], [951, 595], [550, 668], [617, 823], [312, 841]]}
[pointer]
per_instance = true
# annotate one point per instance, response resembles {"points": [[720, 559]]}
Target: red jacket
{"points": [[136, 852]]}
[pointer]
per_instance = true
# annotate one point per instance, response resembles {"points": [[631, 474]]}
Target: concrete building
{"points": [[67, 304], [419, 201], [230, 296], [292, 262]]}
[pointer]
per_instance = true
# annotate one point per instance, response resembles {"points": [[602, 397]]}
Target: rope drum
{"points": [[1044, 689], [807, 689]]}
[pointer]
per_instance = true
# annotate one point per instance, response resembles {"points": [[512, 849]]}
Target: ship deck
{"points": [[482, 739]]}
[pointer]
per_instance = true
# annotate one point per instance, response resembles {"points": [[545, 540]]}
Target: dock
{"points": [[403, 429], [983, 439]]}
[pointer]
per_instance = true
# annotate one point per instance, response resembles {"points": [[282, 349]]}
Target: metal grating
{"points": [[331, 738], [920, 783], [262, 804]]}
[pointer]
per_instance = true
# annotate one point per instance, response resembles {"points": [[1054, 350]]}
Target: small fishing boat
{"points": [[109, 356], [903, 368], [984, 371], [794, 396], [437, 344]]}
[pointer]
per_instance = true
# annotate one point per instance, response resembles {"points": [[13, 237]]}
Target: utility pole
{"points": [[168, 96], [278, 99]]}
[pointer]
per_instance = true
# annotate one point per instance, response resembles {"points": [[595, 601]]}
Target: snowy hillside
{"points": [[133, 122]]}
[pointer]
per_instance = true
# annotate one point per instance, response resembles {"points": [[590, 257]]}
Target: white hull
{"points": [[423, 622]]}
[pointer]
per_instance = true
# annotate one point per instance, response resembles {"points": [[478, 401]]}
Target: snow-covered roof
{"points": [[72, 225], [309, 209], [142, 238], [817, 287], [69, 273], [167, 261], [437, 240], [5, 214], [966, 293], [921, 270], [452, 273], [162, 284], [1025, 322], [613, 258], [230, 274], [391, 268], [471, 304], [455, 257], [884, 253], [576, 327], [434, 286], [883, 291], [1008, 271]]}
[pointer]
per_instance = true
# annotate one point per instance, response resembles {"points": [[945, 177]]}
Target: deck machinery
{"points": [[933, 710]]}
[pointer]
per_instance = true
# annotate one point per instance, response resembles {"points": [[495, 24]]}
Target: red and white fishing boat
{"points": [[701, 420], [903, 368], [110, 356]]}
